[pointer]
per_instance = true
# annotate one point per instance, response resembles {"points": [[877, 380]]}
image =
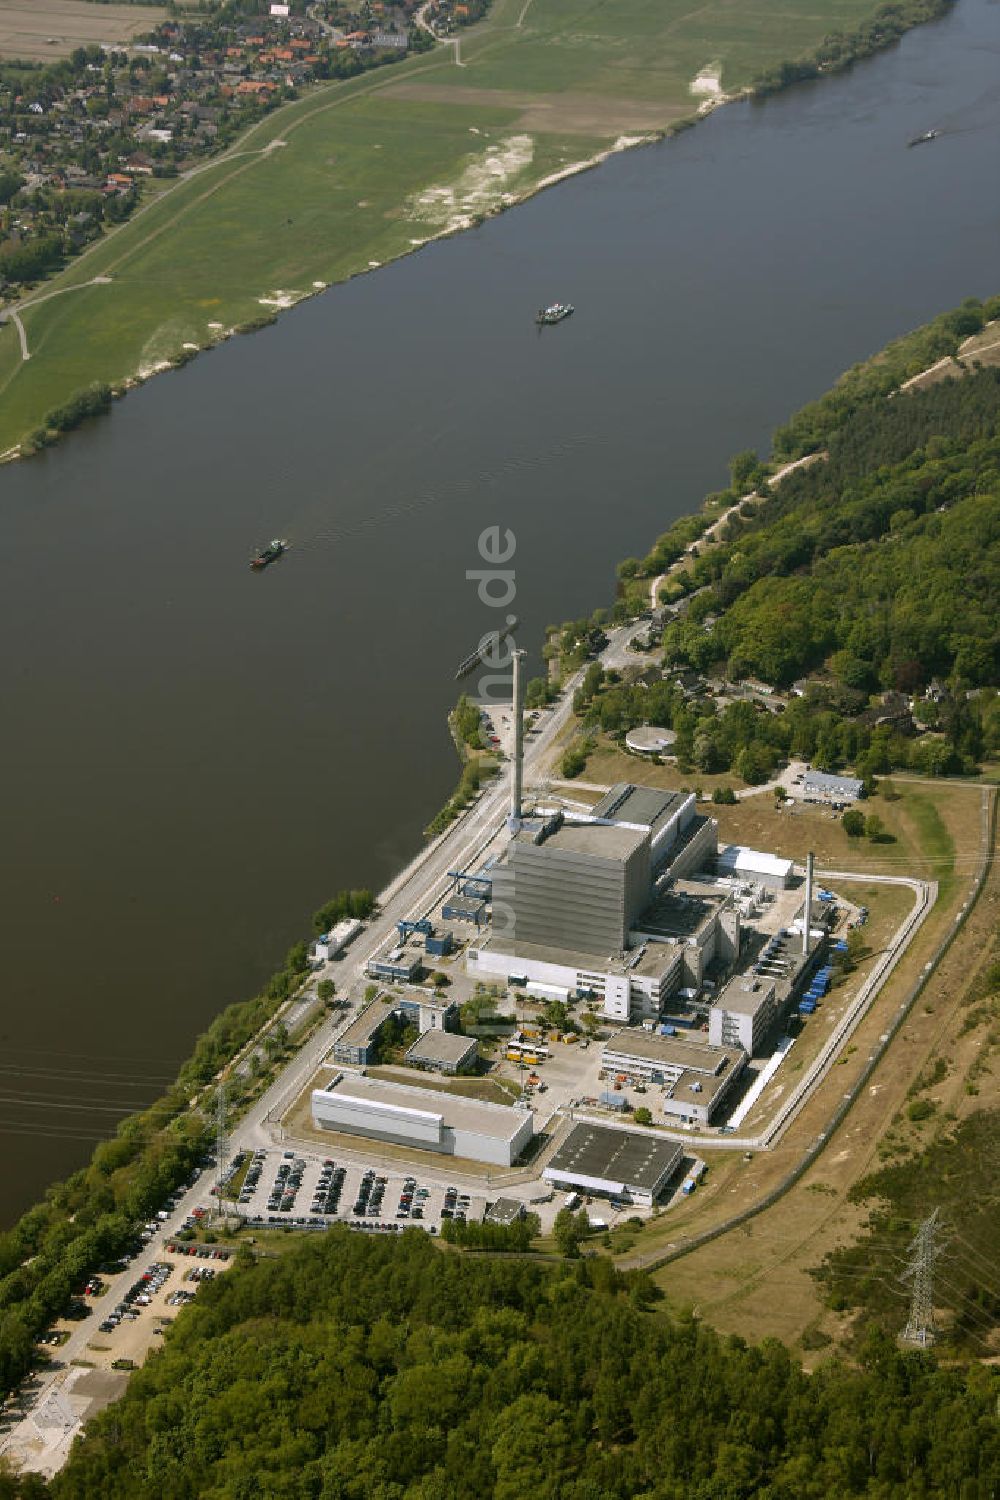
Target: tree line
{"points": [[354, 1367]]}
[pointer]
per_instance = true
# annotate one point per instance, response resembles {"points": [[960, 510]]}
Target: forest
{"points": [[875, 570], [366, 1369]]}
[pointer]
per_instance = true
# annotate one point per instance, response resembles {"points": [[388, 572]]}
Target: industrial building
{"points": [[427, 1012], [579, 905], [357, 1046], [650, 739], [443, 1052], [425, 1119], [679, 836], [572, 885], [818, 786], [744, 1013], [676, 940], [397, 966], [755, 865], [697, 1077], [623, 1164]]}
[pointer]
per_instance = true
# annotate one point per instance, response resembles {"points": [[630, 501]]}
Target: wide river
{"points": [[194, 756]]}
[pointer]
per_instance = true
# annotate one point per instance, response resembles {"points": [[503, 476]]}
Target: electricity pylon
{"points": [[924, 1251]]}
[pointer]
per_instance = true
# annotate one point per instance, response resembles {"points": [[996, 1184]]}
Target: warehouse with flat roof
{"points": [[614, 1163], [427, 1119]]}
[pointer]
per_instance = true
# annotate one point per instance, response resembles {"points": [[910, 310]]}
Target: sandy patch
{"points": [[145, 371], [708, 83], [480, 188], [280, 300]]}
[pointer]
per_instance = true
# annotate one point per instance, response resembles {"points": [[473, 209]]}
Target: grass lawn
{"points": [[641, 49], [358, 173], [490, 1090]]}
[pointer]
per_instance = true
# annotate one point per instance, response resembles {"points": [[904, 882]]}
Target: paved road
{"points": [[711, 532]]}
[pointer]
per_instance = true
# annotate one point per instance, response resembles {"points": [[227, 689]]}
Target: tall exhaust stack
{"points": [[807, 923], [517, 766]]}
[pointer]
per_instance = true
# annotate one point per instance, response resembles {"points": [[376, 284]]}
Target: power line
{"points": [[53, 1132], [102, 1057], [134, 1081]]}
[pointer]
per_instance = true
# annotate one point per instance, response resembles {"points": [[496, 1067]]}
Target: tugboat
{"points": [[928, 135], [270, 553], [554, 313]]}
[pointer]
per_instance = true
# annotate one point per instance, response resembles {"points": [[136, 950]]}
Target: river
{"points": [[196, 756]]}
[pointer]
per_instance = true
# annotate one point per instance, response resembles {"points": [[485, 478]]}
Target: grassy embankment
{"points": [[542, 89]]}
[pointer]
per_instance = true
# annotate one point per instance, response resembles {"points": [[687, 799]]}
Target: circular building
{"points": [[649, 739]]}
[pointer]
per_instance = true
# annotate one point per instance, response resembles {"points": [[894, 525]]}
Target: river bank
{"points": [[157, 298]]}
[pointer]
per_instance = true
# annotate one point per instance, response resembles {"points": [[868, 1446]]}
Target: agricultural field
{"points": [[354, 174], [43, 30]]}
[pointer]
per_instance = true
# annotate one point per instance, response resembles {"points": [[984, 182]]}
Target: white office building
{"points": [[744, 1013]]}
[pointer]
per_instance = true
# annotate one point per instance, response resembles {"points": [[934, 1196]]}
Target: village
{"points": [[81, 139]]}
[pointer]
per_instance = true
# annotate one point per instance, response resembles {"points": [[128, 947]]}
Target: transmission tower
{"points": [[924, 1251]]}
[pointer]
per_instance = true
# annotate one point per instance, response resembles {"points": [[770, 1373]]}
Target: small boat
{"points": [[487, 645], [928, 135], [554, 313], [269, 553]]}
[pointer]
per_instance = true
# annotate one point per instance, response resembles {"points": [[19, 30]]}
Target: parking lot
{"points": [[303, 1191], [129, 1327]]}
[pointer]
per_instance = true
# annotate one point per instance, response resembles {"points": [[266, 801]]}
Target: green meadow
{"points": [[358, 173]]}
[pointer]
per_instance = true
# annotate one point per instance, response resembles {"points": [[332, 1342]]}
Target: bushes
{"points": [[517, 1236], [574, 761], [357, 904], [89, 403]]}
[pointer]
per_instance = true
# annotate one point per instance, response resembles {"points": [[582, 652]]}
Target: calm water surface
{"points": [[194, 757]]}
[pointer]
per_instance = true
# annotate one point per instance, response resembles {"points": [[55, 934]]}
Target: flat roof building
{"points": [[443, 1052], [756, 865], [426, 1119], [743, 1013], [398, 966], [357, 1046], [614, 1163], [696, 1077], [426, 1011], [504, 1211]]}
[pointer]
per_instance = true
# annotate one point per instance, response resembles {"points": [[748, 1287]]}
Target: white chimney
{"points": [[807, 919], [517, 767]]}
